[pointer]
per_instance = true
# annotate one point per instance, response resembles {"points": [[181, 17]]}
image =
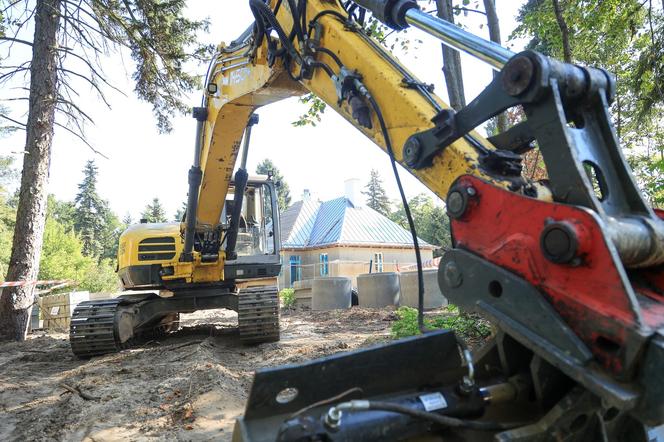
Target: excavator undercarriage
{"points": [[108, 326]]}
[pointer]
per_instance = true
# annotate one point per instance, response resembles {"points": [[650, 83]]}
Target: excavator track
{"points": [[93, 330], [258, 314]]}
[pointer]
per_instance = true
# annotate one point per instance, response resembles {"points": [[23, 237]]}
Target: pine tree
{"points": [[91, 213], [267, 167], [376, 197], [179, 214], [127, 221], [154, 213]]}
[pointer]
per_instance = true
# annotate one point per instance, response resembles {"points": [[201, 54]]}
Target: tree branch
{"points": [[16, 40], [82, 138], [12, 120]]}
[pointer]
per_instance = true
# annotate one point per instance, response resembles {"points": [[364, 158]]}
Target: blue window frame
{"points": [[295, 268], [324, 265], [378, 262]]}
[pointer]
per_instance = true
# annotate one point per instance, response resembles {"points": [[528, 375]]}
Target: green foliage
{"points": [[7, 213], [180, 213], [375, 192], [93, 221], [7, 221], [406, 325], [161, 40], [267, 167], [467, 325], [287, 297], [62, 254], [100, 277], [627, 39], [154, 212], [63, 258], [431, 221], [64, 212], [316, 107]]}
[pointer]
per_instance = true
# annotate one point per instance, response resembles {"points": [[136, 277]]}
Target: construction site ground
{"points": [[188, 386]]}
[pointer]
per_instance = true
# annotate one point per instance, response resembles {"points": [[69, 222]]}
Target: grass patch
{"points": [[287, 297], [466, 324]]}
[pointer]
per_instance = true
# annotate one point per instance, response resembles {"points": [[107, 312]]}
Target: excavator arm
{"points": [[339, 65], [569, 270]]}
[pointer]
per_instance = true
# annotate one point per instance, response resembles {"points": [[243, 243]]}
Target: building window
{"points": [[324, 266], [378, 262], [295, 268]]}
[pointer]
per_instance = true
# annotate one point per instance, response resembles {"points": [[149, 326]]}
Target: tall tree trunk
{"points": [[564, 31], [494, 34], [451, 61], [16, 302]]}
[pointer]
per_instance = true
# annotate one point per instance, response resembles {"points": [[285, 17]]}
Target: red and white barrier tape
{"points": [[428, 264], [35, 283]]}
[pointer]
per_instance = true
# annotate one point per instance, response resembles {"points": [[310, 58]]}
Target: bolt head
{"points": [[517, 75], [456, 204], [453, 275], [559, 242], [412, 151]]}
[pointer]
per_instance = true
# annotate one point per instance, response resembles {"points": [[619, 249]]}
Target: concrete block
{"points": [[331, 293], [376, 290], [35, 322], [433, 297]]}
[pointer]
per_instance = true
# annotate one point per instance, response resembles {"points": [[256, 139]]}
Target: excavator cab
{"points": [[258, 240]]}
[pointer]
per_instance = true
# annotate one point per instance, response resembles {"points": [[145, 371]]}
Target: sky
{"points": [[142, 164]]}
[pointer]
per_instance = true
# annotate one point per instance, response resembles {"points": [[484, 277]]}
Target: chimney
{"points": [[306, 195], [352, 188]]}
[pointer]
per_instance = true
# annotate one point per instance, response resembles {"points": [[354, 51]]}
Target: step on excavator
{"points": [[570, 270]]}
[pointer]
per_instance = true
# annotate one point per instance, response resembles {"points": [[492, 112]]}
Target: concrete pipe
{"points": [[303, 293], [377, 290], [331, 293], [433, 297]]}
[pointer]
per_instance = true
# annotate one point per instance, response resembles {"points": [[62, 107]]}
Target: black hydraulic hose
{"points": [[446, 421], [241, 178], [409, 216], [297, 25], [339, 15], [303, 16], [262, 11], [334, 56], [326, 68]]}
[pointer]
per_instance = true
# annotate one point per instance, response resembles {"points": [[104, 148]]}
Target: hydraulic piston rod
{"points": [[399, 14], [453, 36]]}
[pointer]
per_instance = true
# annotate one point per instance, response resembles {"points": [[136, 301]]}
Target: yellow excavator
{"points": [[569, 270]]}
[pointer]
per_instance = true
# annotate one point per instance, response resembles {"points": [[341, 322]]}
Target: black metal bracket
{"points": [[521, 311], [566, 107]]}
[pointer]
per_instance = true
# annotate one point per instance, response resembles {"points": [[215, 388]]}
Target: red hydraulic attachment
{"points": [[562, 251]]}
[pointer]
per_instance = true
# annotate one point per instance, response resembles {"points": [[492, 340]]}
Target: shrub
{"points": [[287, 297], [467, 325], [406, 325]]}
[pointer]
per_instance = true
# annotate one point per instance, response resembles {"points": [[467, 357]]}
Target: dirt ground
{"points": [[189, 386]]}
